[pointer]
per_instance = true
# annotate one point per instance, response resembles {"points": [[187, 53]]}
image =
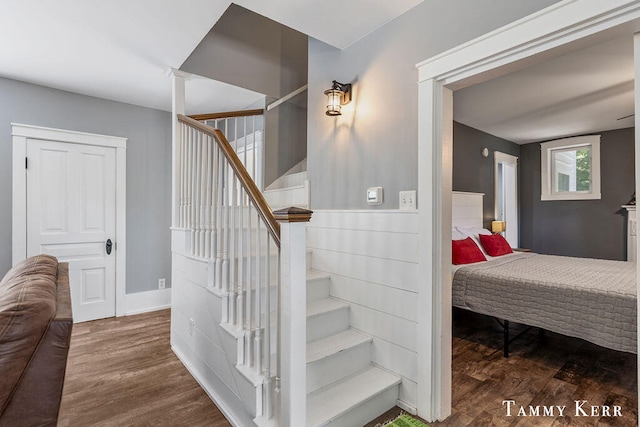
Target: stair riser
{"points": [[326, 324], [369, 410], [295, 196], [318, 289], [293, 179], [337, 366]]}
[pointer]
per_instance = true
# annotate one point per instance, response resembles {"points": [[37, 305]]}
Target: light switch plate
{"points": [[375, 196], [408, 200]]}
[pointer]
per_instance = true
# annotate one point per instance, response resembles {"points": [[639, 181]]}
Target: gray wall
{"points": [[375, 141], [582, 228], [250, 51], [471, 171], [148, 168]]}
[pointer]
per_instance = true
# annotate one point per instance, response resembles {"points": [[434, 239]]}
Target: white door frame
{"points": [[525, 41], [21, 133], [500, 157]]}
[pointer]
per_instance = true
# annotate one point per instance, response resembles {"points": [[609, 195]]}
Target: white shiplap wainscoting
{"points": [[372, 259]]}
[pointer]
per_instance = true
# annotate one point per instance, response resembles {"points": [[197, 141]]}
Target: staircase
{"points": [[343, 387], [291, 189], [237, 320]]}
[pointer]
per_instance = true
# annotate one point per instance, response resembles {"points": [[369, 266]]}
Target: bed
{"points": [[590, 299]]}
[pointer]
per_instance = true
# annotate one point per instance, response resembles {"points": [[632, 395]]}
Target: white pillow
{"points": [[457, 235], [474, 232]]}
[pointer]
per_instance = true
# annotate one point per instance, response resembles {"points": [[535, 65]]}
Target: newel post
{"points": [[293, 316]]}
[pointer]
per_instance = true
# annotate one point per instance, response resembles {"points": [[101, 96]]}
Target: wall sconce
{"points": [[498, 226], [337, 96]]}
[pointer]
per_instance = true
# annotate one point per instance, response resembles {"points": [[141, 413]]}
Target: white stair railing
{"points": [[232, 226]]}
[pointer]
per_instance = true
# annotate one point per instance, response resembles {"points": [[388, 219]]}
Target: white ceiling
{"points": [[577, 93], [123, 50]]}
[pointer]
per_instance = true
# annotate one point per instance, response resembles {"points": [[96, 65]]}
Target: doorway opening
{"points": [[552, 31]]}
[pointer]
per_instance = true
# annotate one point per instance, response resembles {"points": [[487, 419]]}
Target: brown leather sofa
{"points": [[35, 331]]}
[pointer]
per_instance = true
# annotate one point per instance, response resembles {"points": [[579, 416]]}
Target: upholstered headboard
{"points": [[467, 209]]}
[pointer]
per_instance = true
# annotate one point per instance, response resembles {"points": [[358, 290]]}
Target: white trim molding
{"points": [[523, 42], [21, 133], [144, 302]]}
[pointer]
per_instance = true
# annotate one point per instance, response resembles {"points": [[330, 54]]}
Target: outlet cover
{"points": [[408, 200], [161, 283]]}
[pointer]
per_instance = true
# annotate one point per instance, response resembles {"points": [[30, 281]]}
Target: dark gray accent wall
{"points": [[375, 142], [471, 171], [148, 168], [582, 228], [250, 51]]}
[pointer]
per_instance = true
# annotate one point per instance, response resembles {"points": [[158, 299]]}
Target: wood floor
{"points": [[122, 372], [556, 371]]}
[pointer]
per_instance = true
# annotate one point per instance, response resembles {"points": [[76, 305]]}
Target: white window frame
{"points": [[547, 169]]}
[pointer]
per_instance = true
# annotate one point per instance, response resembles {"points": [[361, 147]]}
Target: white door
{"points": [[506, 195], [71, 214]]}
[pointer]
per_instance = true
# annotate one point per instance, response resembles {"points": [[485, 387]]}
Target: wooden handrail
{"points": [[263, 208], [227, 114]]}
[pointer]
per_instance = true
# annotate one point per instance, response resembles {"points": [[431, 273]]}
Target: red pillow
{"points": [[466, 252], [495, 244]]}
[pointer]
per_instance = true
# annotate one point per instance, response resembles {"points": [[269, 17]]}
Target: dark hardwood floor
{"points": [[555, 371], [122, 372]]}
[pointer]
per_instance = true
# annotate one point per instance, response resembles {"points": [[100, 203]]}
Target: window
{"points": [[571, 168]]}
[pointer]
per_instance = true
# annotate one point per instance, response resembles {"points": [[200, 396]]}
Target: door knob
{"points": [[109, 246]]}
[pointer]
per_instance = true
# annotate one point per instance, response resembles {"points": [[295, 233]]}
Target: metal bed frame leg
{"points": [[505, 326], [507, 340]]}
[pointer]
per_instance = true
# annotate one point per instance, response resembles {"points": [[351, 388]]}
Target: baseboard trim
{"points": [[406, 407], [144, 302], [218, 399]]}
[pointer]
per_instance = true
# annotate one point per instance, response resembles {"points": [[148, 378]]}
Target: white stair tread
{"points": [[331, 402], [315, 275], [326, 305], [336, 343]]}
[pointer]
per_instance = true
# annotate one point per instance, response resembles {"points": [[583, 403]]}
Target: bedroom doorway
{"points": [[506, 191], [554, 30]]}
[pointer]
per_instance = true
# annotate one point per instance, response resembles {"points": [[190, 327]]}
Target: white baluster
{"points": [[213, 201], [255, 151], [183, 201], [241, 275], [244, 152], [192, 188], [258, 303], [268, 403], [185, 176], [199, 210], [235, 135], [206, 218], [232, 252], [202, 193], [249, 292], [219, 225], [225, 227]]}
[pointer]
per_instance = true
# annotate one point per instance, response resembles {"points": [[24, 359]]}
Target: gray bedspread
{"points": [[591, 299]]}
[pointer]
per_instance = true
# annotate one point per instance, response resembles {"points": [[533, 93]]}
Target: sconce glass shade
{"points": [[334, 101], [337, 96], [498, 226]]}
